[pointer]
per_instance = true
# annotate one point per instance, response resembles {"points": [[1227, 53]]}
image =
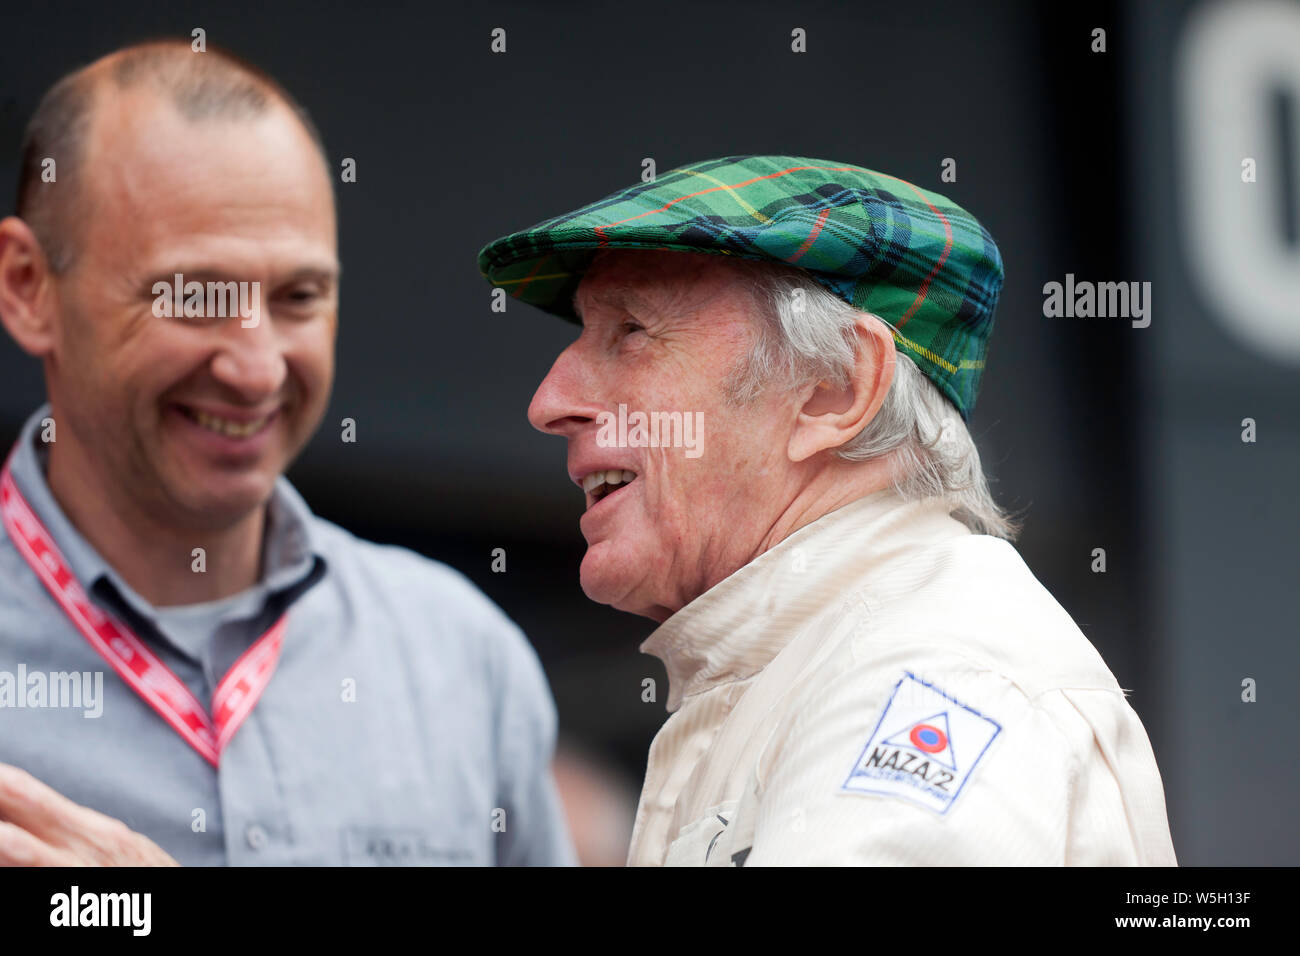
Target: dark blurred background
{"points": [[1114, 165]]}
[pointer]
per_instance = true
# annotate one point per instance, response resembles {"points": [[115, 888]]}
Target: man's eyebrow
{"points": [[206, 272], [329, 273], [629, 295], [621, 296]]}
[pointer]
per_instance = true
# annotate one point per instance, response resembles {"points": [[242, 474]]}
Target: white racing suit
{"points": [[885, 687]]}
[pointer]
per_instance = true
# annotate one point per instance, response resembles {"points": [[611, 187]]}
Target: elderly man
{"points": [[261, 686], [863, 670]]}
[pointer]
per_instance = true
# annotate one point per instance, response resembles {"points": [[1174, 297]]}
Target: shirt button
{"points": [[255, 836]]}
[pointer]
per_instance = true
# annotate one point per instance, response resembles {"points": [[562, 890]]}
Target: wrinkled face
{"points": [[196, 416], [661, 332]]}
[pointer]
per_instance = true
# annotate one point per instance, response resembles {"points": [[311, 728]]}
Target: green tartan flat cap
{"points": [[917, 260]]}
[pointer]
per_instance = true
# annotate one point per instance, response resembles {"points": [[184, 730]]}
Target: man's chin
{"points": [[621, 582], [605, 575], [222, 500]]}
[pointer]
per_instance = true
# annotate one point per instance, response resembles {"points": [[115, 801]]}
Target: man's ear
{"points": [[28, 299], [832, 415]]}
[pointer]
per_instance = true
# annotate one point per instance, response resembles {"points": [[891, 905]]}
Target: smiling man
{"points": [[863, 670], [277, 691]]}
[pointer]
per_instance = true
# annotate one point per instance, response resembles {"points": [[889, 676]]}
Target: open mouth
{"points": [[601, 484], [226, 427]]}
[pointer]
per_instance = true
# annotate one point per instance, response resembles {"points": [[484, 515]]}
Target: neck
{"points": [[831, 488], [154, 557], [836, 486]]}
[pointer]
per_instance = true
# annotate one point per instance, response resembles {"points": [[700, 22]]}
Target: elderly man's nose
{"points": [[251, 361], [556, 408]]}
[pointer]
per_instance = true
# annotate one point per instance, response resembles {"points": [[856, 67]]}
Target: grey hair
{"points": [[807, 334]]}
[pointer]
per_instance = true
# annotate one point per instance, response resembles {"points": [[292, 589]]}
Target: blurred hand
{"points": [[40, 827]]}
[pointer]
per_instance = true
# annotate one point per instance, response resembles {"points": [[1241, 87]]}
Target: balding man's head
{"points": [[175, 170], [213, 85]]}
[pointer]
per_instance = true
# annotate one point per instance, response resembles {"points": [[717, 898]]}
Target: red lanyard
{"points": [[236, 694]]}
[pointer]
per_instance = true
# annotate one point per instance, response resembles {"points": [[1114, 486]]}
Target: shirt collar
{"points": [[290, 551], [735, 629]]}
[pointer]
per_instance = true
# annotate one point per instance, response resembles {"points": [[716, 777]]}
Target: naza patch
{"points": [[924, 747]]}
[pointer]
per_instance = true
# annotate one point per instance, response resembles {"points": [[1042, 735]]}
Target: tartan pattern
{"points": [[916, 259]]}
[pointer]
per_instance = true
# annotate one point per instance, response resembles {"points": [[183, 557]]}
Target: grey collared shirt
{"points": [[407, 722]]}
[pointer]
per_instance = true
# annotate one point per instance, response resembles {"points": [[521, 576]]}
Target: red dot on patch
{"points": [[929, 738]]}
